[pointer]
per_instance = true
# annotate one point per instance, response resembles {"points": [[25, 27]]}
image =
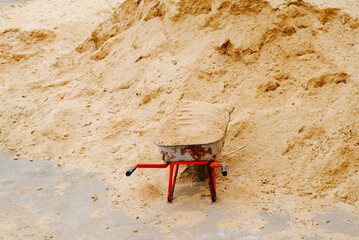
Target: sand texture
{"points": [[190, 122], [88, 84]]}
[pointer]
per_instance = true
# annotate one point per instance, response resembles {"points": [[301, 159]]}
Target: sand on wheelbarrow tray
{"points": [[191, 122]]}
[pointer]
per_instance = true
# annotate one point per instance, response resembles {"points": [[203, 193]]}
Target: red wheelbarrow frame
{"points": [[210, 166]]}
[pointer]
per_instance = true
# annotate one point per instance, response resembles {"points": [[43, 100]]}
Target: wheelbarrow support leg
{"points": [[169, 198], [172, 181], [210, 166], [212, 181]]}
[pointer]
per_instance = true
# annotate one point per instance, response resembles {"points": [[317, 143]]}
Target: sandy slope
{"points": [[289, 69]]}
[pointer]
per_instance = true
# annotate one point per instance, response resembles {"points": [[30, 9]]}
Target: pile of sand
{"points": [[290, 71], [191, 122]]}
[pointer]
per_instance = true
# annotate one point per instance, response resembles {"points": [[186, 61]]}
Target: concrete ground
{"points": [[11, 2], [39, 200]]}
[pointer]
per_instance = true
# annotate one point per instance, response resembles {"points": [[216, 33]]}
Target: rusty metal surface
{"points": [[195, 152]]}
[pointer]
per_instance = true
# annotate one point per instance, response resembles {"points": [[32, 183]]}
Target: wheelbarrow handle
{"points": [[224, 170], [130, 171]]}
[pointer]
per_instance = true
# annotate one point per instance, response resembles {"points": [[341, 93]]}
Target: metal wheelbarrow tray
{"points": [[194, 154]]}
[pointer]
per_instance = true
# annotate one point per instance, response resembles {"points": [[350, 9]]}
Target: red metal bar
{"points": [[214, 178], [151, 165], [170, 192], [209, 180], [172, 178], [215, 164], [191, 163]]}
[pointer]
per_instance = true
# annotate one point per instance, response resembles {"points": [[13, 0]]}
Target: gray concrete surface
{"points": [[11, 2], [63, 208], [39, 200]]}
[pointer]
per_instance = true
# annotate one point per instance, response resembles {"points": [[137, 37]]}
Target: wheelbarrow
{"points": [[192, 154], [195, 154]]}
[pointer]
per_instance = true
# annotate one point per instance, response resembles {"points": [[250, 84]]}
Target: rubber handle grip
{"points": [[130, 171], [224, 170]]}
